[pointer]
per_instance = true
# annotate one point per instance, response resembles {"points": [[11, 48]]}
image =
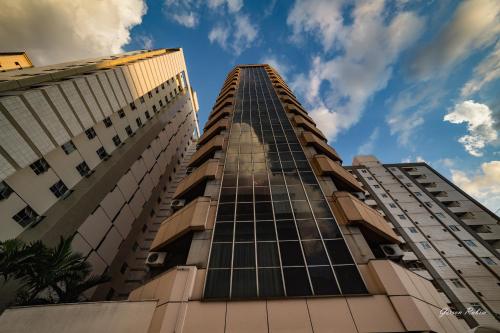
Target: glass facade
{"points": [[274, 234]]}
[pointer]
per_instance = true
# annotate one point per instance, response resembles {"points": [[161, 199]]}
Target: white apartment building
{"points": [[449, 237], [86, 146]]}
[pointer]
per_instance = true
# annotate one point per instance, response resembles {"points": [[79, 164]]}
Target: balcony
{"points": [[205, 172], [342, 178], [213, 131], [190, 218], [218, 116], [205, 151], [321, 146], [349, 210], [304, 123], [299, 112], [225, 102]]}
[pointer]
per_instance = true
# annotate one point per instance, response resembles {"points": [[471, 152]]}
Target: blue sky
{"points": [[403, 80]]}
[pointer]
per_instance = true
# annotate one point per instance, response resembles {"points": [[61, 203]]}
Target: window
{"points": [[402, 217], [384, 195], [124, 267], [369, 178], [138, 121], [150, 95], [101, 152], [489, 261], [440, 263], [116, 140], [477, 307], [147, 115], [121, 114], [454, 228], [157, 90], [439, 215], [129, 131], [59, 189], [5, 190], [155, 109], [90, 133], [418, 194], [108, 122], [376, 186], [68, 147], [413, 230], [392, 205], [160, 102], [457, 283], [26, 216], [470, 243], [83, 169], [132, 106], [142, 99], [163, 86], [363, 171], [428, 204], [40, 166], [425, 245]]}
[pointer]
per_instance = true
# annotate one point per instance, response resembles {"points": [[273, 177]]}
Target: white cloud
{"points": [[368, 48], [275, 62], [367, 147], [233, 6], [480, 125], [219, 34], [475, 25], [483, 186], [145, 41], [487, 71], [183, 12], [53, 32]]}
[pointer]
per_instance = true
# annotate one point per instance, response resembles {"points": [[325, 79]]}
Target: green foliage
{"points": [[46, 274]]}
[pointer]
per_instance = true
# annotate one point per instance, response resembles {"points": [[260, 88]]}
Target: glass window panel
{"points": [[294, 147], [323, 281], [231, 167], [244, 232], [245, 148], [267, 254], [225, 212], [286, 156], [217, 285], [259, 167], [258, 157], [276, 178], [279, 193], [245, 159], [244, 211], [260, 179], [270, 283], [265, 230], [314, 192], [321, 209], [299, 156], [328, 228], [349, 280], [308, 229], [275, 166], [338, 252], [223, 232], [282, 147], [308, 178], [291, 254], [244, 255], [292, 178], [245, 179], [282, 210], [262, 194], [229, 180], [228, 194], [302, 165], [244, 283], [296, 281], [263, 211], [221, 255], [315, 253], [301, 209], [288, 166], [286, 230], [273, 157], [245, 194], [296, 192]]}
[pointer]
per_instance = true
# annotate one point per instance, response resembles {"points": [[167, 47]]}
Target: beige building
{"points": [[87, 146], [449, 237], [14, 60]]}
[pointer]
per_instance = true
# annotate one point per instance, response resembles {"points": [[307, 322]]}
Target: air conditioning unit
{"points": [[392, 251], [156, 259], [177, 204], [189, 170]]}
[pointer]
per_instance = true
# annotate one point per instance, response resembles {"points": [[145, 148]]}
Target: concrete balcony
{"points": [[304, 123], [298, 111], [192, 217], [342, 178], [213, 131], [205, 151], [349, 210], [218, 116], [321, 146], [205, 172], [222, 104]]}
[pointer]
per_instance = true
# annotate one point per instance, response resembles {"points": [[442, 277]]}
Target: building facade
{"points": [[448, 237], [263, 233], [87, 146]]}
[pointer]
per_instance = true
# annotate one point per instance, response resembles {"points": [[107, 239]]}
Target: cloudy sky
{"points": [[404, 80]]}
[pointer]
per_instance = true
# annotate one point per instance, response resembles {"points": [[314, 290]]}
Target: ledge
{"points": [[312, 140], [304, 123], [213, 131], [200, 155], [206, 171], [328, 167]]}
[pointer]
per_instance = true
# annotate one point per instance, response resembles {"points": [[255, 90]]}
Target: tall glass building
{"points": [[266, 231]]}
